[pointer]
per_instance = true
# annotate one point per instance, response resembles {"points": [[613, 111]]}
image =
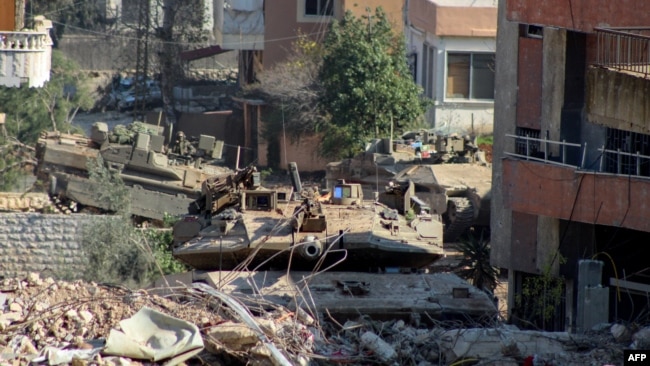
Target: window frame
{"points": [[470, 76], [303, 17]]}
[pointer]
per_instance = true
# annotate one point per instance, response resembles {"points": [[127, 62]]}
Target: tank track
{"points": [[458, 218]]}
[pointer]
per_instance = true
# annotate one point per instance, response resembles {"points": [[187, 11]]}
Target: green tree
{"points": [[32, 110], [367, 86], [291, 90], [117, 251], [29, 111], [66, 93], [85, 14]]}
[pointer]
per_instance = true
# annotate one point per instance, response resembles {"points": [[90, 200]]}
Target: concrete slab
{"points": [[347, 295]]}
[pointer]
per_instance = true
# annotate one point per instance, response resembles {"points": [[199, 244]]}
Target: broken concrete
{"points": [[345, 295], [74, 318]]}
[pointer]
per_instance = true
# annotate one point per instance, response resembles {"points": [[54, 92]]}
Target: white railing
{"points": [[24, 41], [619, 160], [622, 162], [544, 156]]}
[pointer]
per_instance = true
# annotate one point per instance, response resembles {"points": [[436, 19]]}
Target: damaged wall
{"points": [[618, 100]]}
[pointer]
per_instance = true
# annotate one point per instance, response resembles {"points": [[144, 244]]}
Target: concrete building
{"points": [[25, 55], [263, 32], [452, 48], [572, 156]]}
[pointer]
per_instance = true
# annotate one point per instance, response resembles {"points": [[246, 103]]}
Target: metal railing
{"points": [[624, 163], [620, 165], [544, 156], [624, 49]]}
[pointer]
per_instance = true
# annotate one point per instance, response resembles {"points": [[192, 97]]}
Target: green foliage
{"points": [[115, 250], [52, 107], [291, 88], [475, 265], [488, 140], [160, 242], [108, 187], [367, 85], [8, 161], [266, 173], [540, 298], [115, 253], [81, 14]]}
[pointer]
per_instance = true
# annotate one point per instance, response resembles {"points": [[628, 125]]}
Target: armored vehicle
{"points": [[450, 175], [244, 225], [383, 158], [460, 193], [160, 180]]}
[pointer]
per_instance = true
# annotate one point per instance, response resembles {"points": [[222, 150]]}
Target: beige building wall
{"points": [[441, 19], [303, 151], [284, 22], [394, 9]]}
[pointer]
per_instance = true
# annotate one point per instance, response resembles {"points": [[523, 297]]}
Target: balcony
{"points": [[619, 78], [26, 56], [624, 50], [563, 180]]}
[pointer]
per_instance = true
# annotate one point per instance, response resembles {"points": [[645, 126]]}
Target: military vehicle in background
{"points": [[449, 172], [161, 180], [242, 225], [383, 158], [460, 193]]}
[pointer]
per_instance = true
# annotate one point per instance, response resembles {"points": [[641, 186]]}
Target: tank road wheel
{"points": [[458, 218]]}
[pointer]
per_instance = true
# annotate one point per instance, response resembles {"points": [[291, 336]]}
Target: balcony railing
{"points": [[624, 49], [573, 155], [531, 146], [26, 56], [24, 41]]}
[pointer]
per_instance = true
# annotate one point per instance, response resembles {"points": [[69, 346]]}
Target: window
{"points": [[428, 76], [470, 76], [524, 146], [319, 7]]}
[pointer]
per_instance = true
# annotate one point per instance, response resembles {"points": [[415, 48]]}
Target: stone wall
{"points": [[97, 53], [32, 242]]}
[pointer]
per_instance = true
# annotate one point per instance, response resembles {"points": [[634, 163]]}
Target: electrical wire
{"points": [[115, 36]]}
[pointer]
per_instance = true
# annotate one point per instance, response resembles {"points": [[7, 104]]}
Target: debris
{"points": [[621, 333], [383, 350], [154, 336], [73, 323]]}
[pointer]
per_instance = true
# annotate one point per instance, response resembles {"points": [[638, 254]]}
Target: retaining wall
{"points": [[44, 243]]}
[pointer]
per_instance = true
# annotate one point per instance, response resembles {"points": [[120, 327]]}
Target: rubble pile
{"points": [[399, 343], [39, 316], [45, 321]]}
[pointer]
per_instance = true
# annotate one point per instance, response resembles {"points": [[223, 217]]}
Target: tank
{"points": [[161, 180], [383, 158], [245, 225], [460, 193], [450, 173]]}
